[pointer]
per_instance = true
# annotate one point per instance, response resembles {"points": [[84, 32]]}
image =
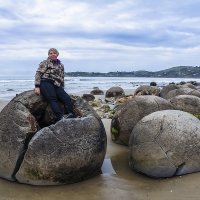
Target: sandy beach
{"points": [[2, 104], [117, 181]]}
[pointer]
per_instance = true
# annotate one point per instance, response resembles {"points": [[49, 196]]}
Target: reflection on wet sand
{"points": [[118, 181]]}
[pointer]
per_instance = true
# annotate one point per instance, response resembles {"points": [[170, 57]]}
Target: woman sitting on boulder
{"points": [[49, 81]]}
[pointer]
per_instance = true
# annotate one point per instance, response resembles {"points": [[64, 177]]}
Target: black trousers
{"points": [[53, 94]]}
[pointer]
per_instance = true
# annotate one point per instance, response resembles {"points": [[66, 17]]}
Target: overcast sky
{"points": [[99, 35]]}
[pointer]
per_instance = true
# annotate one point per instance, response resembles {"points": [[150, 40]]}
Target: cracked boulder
{"points": [[187, 103], [165, 144], [129, 113], [171, 91], [35, 151]]}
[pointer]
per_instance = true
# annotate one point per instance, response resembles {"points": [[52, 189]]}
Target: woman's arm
{"points": [[63, 77], [40, 71]]}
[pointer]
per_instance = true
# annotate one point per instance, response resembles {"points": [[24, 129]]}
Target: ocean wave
{"points": [[10, 87], [11, 81]]}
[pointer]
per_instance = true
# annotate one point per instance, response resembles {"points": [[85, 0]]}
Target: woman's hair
{"points": [[54, 50]]}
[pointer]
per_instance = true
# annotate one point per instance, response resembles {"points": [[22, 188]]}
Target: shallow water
{"points": [[117, 182]]}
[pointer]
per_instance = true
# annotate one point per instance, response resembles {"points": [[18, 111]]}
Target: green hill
{"points": [[174, 72]]}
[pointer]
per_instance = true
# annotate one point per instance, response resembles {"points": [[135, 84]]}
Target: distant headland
{"points": [[174, 72]]}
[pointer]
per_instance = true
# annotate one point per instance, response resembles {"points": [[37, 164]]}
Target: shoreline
{"points": [[8, 98], [3, 103], [11, 86]]}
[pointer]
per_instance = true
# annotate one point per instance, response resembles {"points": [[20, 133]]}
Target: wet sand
{"points": [[118, 182]]}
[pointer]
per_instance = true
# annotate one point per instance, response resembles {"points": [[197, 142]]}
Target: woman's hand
{"points": [[37, 91]]}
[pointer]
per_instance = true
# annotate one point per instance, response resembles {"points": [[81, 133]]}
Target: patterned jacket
{"points": [[51, 70]]}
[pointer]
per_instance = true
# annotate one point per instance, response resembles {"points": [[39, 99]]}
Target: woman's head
{"points": [[53, 53]]}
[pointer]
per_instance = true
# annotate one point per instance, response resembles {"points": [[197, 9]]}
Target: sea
{"points": [[12, 85]]}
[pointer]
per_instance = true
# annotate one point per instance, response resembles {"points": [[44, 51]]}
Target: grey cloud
{"points": [[113, 33]]}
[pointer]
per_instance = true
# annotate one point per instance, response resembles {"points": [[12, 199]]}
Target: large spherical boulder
{"points": [[187, 103], [88, 97], [36, 153], [114, 92], [128, 114], [168, 88], [182, 91], [165, 143], [190, 85], [171, 91], [153, 83], [97, 91]]}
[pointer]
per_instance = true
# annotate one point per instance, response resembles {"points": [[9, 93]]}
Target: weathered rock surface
{"points": [[165, 143], [168, 88], [128, 114], [17, 127], [114, 92], [190, 85], [97, 91], [88, 97], [172, 90], [187, 103], [182, 91], [147, 90], [69, 151]]}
